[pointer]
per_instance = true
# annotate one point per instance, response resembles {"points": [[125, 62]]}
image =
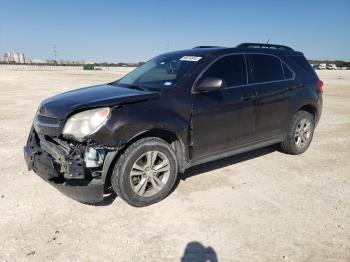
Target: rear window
{"points": [[302, 65], [264, 68]]}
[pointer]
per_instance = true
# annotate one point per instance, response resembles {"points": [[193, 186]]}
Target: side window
{"points": [[264, 68], [288, 74], [231, 69]]}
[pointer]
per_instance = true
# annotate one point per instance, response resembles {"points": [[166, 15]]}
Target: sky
{"points": [[133, 31]]}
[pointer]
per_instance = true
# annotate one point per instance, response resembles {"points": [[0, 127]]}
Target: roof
{"points": [[242, 48]]}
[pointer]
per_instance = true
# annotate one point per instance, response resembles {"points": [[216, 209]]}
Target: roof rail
{"points": [[207, 46], [260, 45]]}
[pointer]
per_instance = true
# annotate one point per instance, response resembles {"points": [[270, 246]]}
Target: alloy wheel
{"points": [[149, 173], [302, 133]]}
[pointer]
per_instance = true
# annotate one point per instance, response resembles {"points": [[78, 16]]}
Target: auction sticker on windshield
{"points": [[191, 58]]}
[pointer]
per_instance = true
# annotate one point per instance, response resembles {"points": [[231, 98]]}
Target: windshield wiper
{"points": [[136, 87]]}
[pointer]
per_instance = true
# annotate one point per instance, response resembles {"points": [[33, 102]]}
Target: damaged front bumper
{"points": [[64, 167]]}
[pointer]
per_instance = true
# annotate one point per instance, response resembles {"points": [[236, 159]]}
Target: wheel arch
{"points": [[165, 134], [310, 108]]}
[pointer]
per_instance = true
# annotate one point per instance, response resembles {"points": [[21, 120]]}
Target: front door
{"points": [[223, 119]]}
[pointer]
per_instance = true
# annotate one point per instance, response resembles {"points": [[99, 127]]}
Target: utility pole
{"points": [[55, 53], [167, 45]]}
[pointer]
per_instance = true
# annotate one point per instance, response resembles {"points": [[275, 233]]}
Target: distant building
{"points": [[16, 58], [51, 61], [12, 57], [7, 57], [38, 61], [22, 59]]}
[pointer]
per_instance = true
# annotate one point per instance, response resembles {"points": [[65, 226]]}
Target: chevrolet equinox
{"points": [[178, 110]]}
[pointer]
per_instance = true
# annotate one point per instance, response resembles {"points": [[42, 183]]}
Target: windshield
{"points": [[161, 72]]}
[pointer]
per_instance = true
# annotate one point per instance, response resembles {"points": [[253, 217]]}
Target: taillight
{"points": [[320, 86]]}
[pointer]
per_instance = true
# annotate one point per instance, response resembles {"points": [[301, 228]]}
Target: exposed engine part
{"points": [[94, 157]]}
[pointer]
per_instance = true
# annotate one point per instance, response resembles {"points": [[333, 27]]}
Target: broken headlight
{"points": [[86, 123]]}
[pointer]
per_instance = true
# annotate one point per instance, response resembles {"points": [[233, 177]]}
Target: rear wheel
{"points": [[145, 173], [300, 133]]}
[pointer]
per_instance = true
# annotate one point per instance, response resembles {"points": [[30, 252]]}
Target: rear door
{"points": [[223, 119], [274, 88]]}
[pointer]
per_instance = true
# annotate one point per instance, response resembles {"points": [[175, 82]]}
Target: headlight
{"points": [[86, 123]]}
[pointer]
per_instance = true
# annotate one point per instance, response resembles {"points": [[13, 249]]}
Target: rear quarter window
{"points": [[288, 74], [303, 67]]}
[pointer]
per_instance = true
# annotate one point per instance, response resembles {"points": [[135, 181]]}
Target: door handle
{"points": [[291, 88], [247, 98]]}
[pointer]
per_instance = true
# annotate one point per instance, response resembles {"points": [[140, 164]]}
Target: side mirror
{"points": [[210, 84]]}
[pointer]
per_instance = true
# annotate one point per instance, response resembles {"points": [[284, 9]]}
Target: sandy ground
{"points": [[259, 206]]}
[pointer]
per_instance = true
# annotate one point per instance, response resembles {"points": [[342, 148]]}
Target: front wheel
{"points": [[145, 173], [300, 133]]}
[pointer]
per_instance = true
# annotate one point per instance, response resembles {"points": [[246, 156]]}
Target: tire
{"points": [[290, 144], [139, 182]]}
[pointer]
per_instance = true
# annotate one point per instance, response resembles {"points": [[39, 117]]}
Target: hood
{"points": [[62, 105]]}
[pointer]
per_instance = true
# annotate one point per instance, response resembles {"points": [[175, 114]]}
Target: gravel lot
{"points": [[259, 206]]}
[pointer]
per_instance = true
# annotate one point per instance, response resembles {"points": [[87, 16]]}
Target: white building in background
{"points": [[7, 57], [18, 58], [22, 59]]}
